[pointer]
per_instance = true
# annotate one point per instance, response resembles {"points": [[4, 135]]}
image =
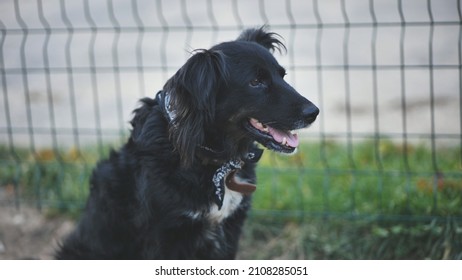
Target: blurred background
{"points": [[378, 176]]}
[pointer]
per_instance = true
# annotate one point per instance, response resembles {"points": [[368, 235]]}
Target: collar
{"points": [[226, 173], [226, 176]]}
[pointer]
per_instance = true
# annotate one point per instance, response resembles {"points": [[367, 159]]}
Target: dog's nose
{"points": [[310, 112]]}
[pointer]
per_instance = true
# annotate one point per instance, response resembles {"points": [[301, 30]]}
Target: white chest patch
{"points": [[231, 202]]}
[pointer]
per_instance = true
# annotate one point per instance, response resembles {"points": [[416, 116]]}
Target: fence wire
{"points": [[386, 74]]}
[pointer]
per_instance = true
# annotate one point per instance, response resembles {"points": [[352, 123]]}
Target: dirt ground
{"points": [[27, 234]]}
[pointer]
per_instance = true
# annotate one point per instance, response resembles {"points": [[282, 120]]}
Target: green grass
{"points": [[329, 178], [51, 179], [336, 238], [403, 202]]}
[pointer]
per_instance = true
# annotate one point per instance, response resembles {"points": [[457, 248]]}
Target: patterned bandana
{"points": [[219, 177]]}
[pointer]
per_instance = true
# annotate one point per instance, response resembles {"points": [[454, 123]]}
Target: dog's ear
{"points": [[192, 93], [269, 40]]}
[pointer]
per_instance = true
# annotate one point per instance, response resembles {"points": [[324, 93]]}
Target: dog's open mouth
{"points": [[272, 138]]}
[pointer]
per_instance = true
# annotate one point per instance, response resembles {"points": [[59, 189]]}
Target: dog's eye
{"points": [[256, 82]]}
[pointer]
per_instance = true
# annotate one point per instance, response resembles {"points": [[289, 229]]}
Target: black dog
{"points": [[180, 187]]}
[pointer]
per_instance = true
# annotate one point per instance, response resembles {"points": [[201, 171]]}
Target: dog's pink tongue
{"points": [[279, 135]]}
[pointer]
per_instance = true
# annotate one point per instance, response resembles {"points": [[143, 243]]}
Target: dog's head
{"points": [[233, 94]]}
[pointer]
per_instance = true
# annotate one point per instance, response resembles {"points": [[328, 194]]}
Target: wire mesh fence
{"points": [[386, 75]]}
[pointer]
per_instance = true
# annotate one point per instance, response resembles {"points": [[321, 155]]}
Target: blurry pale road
{"points": [[430, 97]]}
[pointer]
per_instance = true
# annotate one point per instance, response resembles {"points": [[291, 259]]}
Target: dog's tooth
{"points": [[284, 141]]}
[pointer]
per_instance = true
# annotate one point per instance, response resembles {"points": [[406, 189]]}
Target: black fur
{"points": [[152, 199]]}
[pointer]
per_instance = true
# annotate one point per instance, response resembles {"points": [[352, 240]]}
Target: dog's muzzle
{"points": [[280, 140]]}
